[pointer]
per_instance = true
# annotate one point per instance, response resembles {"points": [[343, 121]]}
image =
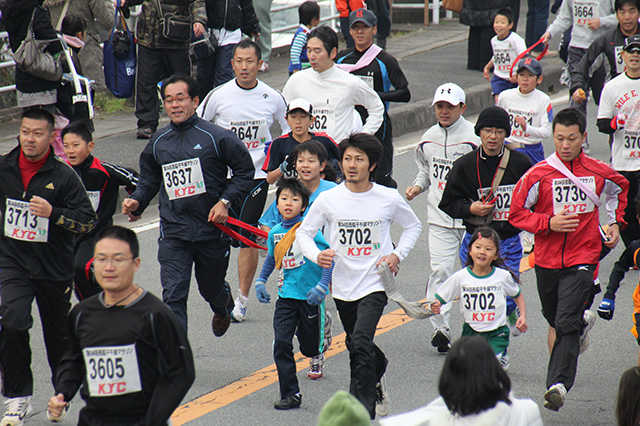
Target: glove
{"points": [[261, 292], [316, 295], [266, 147], [284, 167], [621, 120], [606, 308]]}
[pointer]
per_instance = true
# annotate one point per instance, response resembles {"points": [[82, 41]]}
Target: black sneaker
{"points": [[220, 324], [145, 133], [441, 341], [294, 401]]}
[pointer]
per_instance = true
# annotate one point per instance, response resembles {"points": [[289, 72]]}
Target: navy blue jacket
{"points": [[218, 149]]}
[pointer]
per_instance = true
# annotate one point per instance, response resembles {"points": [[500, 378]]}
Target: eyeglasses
{"points": [[498, 132], [115, 261], [633, 49], [178, 99]]}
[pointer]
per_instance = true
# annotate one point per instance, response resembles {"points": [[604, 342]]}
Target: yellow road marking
{"points": [[267, 376]]}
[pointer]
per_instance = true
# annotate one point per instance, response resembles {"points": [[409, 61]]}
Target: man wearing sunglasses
{"points": [[619, 116]]}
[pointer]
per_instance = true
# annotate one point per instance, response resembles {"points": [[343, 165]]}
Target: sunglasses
{"points": [[633, 49]]}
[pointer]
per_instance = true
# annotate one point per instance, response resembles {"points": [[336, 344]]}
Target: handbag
{"points": [[452, 5], [119, 56], [203, 46], [173, 26], [32, 58]]}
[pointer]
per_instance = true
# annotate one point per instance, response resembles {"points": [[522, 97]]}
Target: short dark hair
{"points": [[79, 128], [366, 143], [192, 86], [119, 233], [41, 114], [506, 12], [570, 117], [247, 43], [326, 35], [294, 186], [73, 24], [472, 379], [313, 147], [489, 234], [628, 402], [620, 3], [308, 11]]}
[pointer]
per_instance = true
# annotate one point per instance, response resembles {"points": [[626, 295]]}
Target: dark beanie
{"points": [[493, 116]]}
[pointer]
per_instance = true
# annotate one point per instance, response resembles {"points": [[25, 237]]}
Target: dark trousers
{"points": [[537, 21], [344, 28], [84, 286], [565, 294], [479, 47], [17, 292], [366, 361], [295, 317], [595, 82], [381, 9], [215, 70], [515, 8], [384, 171], [155, 65], [632, 231], [211, 259], [91, 418]]}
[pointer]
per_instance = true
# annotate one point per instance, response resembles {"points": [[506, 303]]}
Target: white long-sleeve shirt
{"points": [[505, 52], [357, 226], [577, 13], [249, 113], [535, 107], [333, 94], [435, 155]]}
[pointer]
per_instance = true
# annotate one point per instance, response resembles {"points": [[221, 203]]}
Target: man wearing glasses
{"points": [[187, 163], [480, 185]]}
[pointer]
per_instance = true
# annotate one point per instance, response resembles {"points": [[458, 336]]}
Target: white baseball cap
{"points": [[300, 103], [449, 92]]}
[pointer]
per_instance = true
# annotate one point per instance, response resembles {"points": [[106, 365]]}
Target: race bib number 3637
{"points": [[359, 238], [112, 370], [21, 225], [183, 179]]}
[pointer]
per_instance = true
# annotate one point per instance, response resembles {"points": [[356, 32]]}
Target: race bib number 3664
{"points": [[183, 179], [584, 10], [359, 238], [112, 370], [21, 225]]}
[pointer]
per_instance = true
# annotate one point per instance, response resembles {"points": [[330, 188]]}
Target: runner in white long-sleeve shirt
{"points": [[357, 217]]}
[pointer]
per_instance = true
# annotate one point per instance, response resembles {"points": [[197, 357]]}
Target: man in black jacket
{"points": [[187, 162], [227, 20], [44, 206]]}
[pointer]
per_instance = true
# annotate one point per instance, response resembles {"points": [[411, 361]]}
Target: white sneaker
{"points": [[589, 318], [504, 360], [382, 398], [17, 410], [62, 415], [316, 367], [240, 310], [554, 397]]}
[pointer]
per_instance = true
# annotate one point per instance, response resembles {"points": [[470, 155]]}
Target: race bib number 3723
{"points": [[21, 225], [112, 370]]}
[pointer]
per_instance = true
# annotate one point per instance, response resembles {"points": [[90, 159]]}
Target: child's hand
{"points": [[486, 73], [522, 122], [435, 307], [513, 78], [521, 324], [261, 292]]}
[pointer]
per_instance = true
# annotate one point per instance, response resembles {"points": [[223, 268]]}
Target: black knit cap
{"points": [[493, 116]]}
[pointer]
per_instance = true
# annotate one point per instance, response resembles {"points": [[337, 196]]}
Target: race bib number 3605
{"points": [[112, 370], [183, 179], [21, 225], [359, 238]]}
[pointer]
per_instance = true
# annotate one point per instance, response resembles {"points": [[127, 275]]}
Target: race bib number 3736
{"points": [[359, 238], [567, 196], [21, 225], [183, 179], [112, 370]]}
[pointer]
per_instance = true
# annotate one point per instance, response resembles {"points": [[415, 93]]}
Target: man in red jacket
{"points": [[564, 217]]}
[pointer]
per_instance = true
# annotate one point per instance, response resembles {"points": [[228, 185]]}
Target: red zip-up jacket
{"points": [[543, 191]]}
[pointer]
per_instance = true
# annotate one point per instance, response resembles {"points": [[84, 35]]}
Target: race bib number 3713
{"points": [[112, 370], [21, 225], [359, 238]]}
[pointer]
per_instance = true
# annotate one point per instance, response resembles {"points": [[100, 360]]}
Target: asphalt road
{"points": [[412, 376]]}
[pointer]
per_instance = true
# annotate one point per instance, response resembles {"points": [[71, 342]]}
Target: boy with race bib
{"points": [[483, 286]]}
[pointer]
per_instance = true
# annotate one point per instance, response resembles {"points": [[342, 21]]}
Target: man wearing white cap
{"points": [[441, 145]]}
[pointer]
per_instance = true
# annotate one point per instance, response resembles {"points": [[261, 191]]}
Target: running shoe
{"points": [[555, 397], [441, 340], [220, 324], [328, 321], [589, 318], [240, 310], [382, 398], [293, 401], [316, 367], [512, 320], [17, 410], [504, 360]]}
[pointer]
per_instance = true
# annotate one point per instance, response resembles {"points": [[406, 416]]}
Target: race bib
{"points": [[619, 61], [631, 144], [183, 179], [325, 121], [583, 10], [94, 197], [502, 198], [482, 303], [359, 238], [112, 370], [440, 168], [21, 225], [516, 129], [253, 133], [294, 257], [567, 194], [503, 59], [368, 79]]}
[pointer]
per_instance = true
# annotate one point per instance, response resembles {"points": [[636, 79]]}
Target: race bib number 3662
{"points": [[21, 225], [183, 179], [112, 370], [359, 238]]}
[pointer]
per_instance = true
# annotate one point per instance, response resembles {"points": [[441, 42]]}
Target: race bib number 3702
{"points": [[183, 179], [112, 370], [21, 225], [359, 238]]}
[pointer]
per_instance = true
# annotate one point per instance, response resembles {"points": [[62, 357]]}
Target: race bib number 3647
{"points": [[21, 225], [359, 238], [112, 370]]}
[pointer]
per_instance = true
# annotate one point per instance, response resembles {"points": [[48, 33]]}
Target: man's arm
{"points": [[198, 13], [580, 73], [367, 97], [615, 192], [76, 213], [122, 176], [250, 24], [563, 21], [422, 181], [150, 179], [70, 372], [236, 156], [398, 81], [312, 222], [525, 197], [103, 12], [455, 199]]}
